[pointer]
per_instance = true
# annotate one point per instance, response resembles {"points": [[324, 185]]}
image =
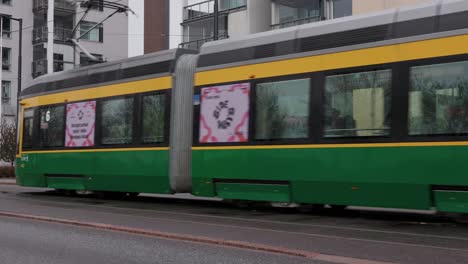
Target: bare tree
{"points": [[7, 142]]}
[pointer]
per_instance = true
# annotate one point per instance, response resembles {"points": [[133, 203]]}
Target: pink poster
{"points": [[81, 121], [224, 115]]}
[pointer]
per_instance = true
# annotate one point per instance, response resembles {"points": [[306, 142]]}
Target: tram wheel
{"points": [[338, 207]]}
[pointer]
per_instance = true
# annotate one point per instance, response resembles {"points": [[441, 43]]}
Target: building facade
{"points": [[47, 28], [192, 21]]}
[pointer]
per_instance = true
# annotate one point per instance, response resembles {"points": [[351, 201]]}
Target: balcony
{"points": [[40, 35], [196, 44], [206, 8], [61, 35], [297, 22], [39, 67], [61, 5]]}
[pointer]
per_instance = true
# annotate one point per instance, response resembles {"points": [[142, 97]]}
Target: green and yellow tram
{"points": [[367, 110]]}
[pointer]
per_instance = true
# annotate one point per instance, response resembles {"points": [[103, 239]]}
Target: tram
{"points": [[366, 110]]}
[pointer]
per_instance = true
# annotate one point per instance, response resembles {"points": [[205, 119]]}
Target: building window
{"points": [[231, 4], [292, 13], [85, 60], [52, 126], [58, 62], [6, 2], [154, 117], [358, 104], [438, 99], [6, 59], [28, 128], [117, 121], [342, 8], [282, 110], [98, 5], [94, 35], [200, 31], [6, 92], [6, 26]]}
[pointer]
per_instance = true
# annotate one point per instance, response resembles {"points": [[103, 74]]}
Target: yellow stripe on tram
{"points": [[101, 92], [347, 59]]}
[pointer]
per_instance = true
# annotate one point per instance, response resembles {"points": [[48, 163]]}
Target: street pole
{"points": [[20, 79], [1, 70], [216, 18]]}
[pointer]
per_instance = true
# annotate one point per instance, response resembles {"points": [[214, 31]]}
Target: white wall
{"points": [[136, 28], [176, 8]]}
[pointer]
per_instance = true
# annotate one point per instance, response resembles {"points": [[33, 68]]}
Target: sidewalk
{"points": [[11, 181]]}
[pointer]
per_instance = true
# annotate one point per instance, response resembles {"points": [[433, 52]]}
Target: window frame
{"points": [[99, 28], [253, 111], [393, 67], [135, 129], [6, 100], [167, 117], [36, 125], [429, 137], [37, 117], [9, 51]]}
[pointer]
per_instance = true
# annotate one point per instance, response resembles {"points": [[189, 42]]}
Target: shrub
{"points": [[7, 172]]}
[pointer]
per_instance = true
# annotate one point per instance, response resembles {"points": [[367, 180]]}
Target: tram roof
{"points": [[139, 67], [426, 18]]}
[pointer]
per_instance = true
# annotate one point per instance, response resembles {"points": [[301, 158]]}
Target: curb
{"points": [[8, 183], [199, 239]]}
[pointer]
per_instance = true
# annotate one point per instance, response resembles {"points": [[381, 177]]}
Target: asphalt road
{"points": [[398, 237], [25, 242]]}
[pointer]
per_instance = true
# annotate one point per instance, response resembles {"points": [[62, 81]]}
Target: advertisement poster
{"points": [[81, 121], [224, 115]]}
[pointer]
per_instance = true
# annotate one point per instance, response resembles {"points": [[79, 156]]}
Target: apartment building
{"points": [[192, 21], [47, 28]]}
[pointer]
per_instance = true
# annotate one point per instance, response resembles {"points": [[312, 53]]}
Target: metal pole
{"points": [[216, 18], [1, 70], [20, 76]]}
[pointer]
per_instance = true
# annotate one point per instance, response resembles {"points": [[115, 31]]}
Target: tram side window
{"points": [[117, 121], [438, 99], [282, 110], [28, 128], [52, 126], [154, 113], [358, 104]]}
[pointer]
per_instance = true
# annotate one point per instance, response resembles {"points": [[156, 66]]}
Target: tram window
{"points": [[52, 126], [28, 128], [282, 110], [438, 99], [154, 107], [358, 104], [117, 121]]}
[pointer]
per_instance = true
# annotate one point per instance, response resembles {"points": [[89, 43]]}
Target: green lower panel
{"points": [[126, 171], [451, 201], [254, 192], [394, 177], [66, 183]]}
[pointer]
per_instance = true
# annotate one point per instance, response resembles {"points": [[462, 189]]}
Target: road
{"points": [[352, 236]]}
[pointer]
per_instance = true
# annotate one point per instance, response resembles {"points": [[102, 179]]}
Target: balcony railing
{"points": [[196, 44], [297, 22], [206, 8], [60, 35], [39, 67], [40, 34], [58, 4]]}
